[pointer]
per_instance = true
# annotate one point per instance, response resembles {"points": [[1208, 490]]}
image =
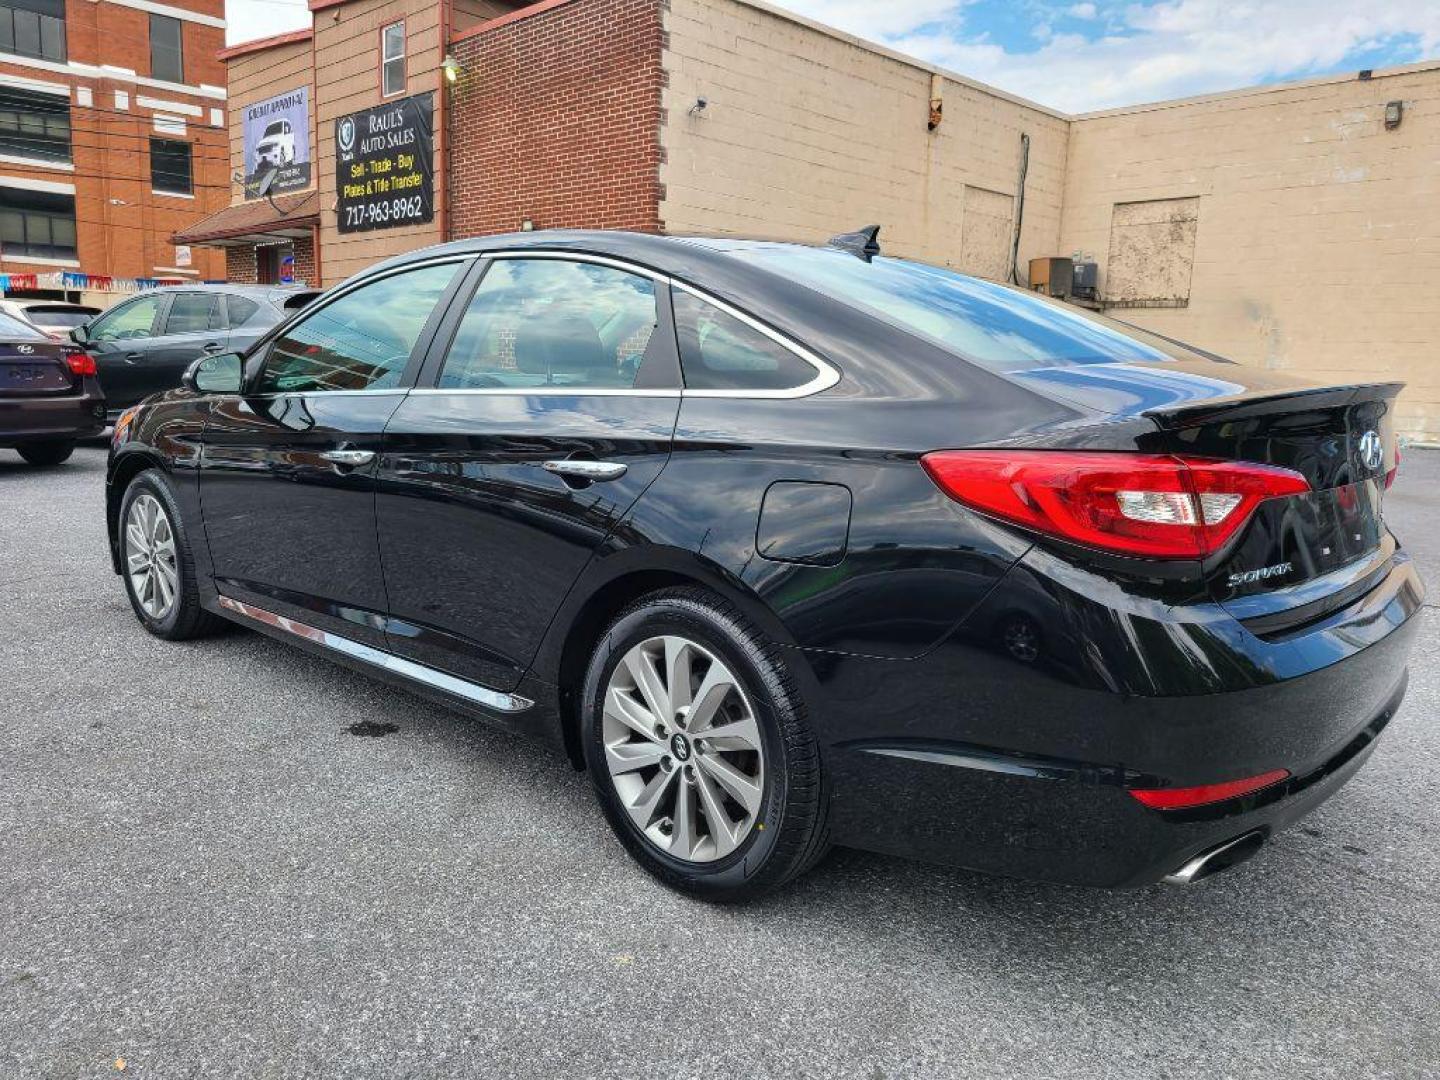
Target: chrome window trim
{"points": [[546, 391], [379, 658], [826, 375]]}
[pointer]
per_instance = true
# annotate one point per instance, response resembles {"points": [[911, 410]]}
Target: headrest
{"points": [[559, 343]]}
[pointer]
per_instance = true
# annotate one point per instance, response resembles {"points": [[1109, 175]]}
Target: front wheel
{"points": [[696, 739], [52, 452], [158, 563]]}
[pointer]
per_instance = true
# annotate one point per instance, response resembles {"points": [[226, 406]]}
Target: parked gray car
{"points": [[144, 345]]}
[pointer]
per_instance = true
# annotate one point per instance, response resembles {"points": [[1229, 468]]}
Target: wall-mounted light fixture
{"points": [[698, 109], [526, 225], [1394, 113], [452, 67]]}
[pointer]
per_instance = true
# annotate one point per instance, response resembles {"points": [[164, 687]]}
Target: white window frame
{"points": [[386, 60]]}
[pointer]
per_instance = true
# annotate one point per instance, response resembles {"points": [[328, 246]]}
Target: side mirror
{"points": [[79, 335], [218, 373]]}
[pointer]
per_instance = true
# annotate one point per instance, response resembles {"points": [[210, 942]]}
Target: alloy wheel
{"points": [[150, 556], [683, 749]]}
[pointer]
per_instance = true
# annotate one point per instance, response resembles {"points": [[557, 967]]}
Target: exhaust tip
{"points": [[1220, 857]]}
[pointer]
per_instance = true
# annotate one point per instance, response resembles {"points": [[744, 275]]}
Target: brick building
{"points": [[112, 137], [1285, 226]]}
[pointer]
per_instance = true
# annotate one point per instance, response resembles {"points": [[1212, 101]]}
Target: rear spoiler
{"points": [[1267, 403]]}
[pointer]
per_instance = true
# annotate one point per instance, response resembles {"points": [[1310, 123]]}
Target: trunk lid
{"points": [[34, 369], [1299, 557]]}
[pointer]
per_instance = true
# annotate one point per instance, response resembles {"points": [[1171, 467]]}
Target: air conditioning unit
{"points": [[1052, 275], [1086, 279]]}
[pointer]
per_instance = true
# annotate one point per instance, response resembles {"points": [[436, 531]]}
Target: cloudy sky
{"points": [[1093, 55]]}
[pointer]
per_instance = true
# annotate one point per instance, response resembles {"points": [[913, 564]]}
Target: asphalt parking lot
{"points": [[202, 873]]}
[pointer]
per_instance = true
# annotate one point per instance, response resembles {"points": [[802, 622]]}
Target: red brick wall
{"points": [[556, 117], [240, 265]]}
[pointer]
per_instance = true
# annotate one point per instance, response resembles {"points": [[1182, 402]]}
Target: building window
{"points": [[37, 224], [34, 125], [166, 60], [170, 167], [33, 28], [392, 60]]}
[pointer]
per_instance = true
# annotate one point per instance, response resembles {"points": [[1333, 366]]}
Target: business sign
{"points": [[287, 267], [384, 166], [277, 136]]}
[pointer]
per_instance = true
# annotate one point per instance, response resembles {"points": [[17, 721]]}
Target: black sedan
{"points": [[49, 395], [793, 546], [144, 345]]}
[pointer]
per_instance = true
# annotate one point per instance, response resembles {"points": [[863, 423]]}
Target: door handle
{"points": [[349, 458], [580, 469], [134, 357], [211, 347]]}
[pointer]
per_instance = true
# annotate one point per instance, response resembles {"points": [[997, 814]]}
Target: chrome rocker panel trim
{"points": [[379, 658]]}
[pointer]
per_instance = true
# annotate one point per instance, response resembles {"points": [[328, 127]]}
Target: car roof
{"points": [[265, 292]]}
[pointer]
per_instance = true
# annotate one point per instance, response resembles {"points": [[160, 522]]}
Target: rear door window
{"points": [[719, 351], [194, 313], [553, 323], [239, 309], [359, 341]]}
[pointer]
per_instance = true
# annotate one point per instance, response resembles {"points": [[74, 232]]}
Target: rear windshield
{"points": [[12, 329], [995, 326], [58, 317]]}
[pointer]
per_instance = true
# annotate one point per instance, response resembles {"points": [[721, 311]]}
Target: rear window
{"points": [[995, 326], [63, 318], [12, 329]]}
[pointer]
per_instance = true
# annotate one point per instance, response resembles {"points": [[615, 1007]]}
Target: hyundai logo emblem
{"points": [[1372, 451]]}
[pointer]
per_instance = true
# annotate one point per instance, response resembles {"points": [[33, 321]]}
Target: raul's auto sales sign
{"points": [[384, 165]]}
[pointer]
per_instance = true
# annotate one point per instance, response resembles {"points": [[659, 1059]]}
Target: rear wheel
{"points": [[696, 741], [50, 452], [158, 563]]}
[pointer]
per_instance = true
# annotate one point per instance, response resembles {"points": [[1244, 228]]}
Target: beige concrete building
{"points": [[1291, 226]]}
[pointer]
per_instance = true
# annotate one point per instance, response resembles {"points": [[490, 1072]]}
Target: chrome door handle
{"points": [[134, 357], [580, 469], [212, 347], [352, 458]]}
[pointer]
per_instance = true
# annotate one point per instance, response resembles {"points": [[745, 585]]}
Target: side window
{"points": [[240, 309], [551, 322], [361, 341], [720, 352], [193, 313], [132, 320]]}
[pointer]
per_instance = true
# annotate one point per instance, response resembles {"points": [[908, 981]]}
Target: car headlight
{"points": [[122, 424]]}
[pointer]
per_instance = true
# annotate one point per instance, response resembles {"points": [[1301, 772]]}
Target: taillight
{"points": [[81, 363], [1181, 798], [1152, 505], [1394, 469]]}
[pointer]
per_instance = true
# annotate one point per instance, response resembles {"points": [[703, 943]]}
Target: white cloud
{"points": [[1170, 49], [1081, 11], [246, 20]]}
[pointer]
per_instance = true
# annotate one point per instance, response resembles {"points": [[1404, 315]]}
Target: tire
{"points": [[52, 452], [786, 831], [182, 618]]}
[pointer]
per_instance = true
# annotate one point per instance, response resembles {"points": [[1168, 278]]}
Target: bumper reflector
{"points": [[1183, 797]]}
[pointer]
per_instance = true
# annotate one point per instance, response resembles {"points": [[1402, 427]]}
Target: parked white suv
{"points": [[276, 146]]}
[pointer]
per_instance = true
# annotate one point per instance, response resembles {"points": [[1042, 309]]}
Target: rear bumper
{"points": [[74, 416], [1027, 777]]}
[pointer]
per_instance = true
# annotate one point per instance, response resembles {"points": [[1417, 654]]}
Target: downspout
{"points": [[1020, 212], [444, 134]]}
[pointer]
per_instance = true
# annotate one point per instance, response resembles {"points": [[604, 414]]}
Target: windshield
{"points": [[995, 326], [275, 129], [12, 329]]}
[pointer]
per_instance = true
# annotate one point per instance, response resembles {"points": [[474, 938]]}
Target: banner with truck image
{"points": [[277, 136]]}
